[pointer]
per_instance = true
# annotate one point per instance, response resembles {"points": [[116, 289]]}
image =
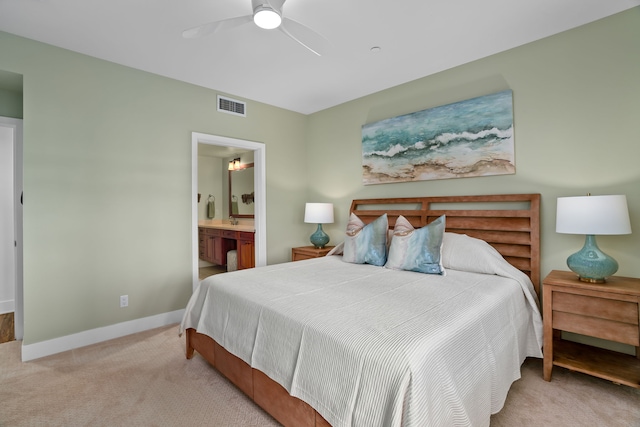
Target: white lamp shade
{"points": [[318, 213], [594, 215]]}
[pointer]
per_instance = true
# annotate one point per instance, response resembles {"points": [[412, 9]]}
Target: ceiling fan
{"points": [[267, 14]]}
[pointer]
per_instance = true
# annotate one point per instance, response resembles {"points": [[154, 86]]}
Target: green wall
{"points": [[107, 185], [10, 104], [576, 111], [107, 163]]}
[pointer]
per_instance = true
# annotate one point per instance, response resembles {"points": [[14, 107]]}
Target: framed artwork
{"points": [[465, 139]]}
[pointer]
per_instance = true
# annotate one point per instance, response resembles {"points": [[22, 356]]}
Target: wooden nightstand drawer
{"points": [[603, 308], [601, 328], [309, 252], [605, 318], [300, 257]]}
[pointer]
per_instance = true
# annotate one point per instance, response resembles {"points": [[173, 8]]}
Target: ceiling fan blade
{"points": [[212, 27], [305, 36]]}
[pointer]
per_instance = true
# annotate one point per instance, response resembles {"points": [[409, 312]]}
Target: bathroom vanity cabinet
{"points": [[214, 243]]}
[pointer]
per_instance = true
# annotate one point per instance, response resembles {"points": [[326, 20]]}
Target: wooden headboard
{"points": [[508, 222]]}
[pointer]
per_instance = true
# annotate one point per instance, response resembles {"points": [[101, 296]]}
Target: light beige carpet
{"points": [[145, 380], [140, 380], [570, 399]]}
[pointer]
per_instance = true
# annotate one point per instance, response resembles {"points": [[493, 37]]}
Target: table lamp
{"points": [[592, 215], [320, 213]]}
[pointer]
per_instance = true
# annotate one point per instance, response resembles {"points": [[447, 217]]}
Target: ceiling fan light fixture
{"points": [[267, 18]]}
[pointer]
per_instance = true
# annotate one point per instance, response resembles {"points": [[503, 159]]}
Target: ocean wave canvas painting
{"points": [[466, 139]]}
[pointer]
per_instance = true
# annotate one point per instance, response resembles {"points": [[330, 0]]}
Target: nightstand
{"points": [[308, 252], [607, 310]]}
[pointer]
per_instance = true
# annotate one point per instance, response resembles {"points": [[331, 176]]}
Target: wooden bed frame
{"points": [[509, 222]]}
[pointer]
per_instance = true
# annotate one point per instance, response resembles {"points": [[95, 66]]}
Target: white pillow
{"points": [[461, 252]]}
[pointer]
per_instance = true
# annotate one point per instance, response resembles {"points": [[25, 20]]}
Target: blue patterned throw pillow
{"points": [[366, 244], [417, 250]]}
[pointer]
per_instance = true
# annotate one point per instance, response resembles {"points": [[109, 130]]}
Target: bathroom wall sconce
{"points": [[234, 164]]}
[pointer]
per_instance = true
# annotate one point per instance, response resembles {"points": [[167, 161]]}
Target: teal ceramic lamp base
{"points": [[591, 264], [319, 239]]}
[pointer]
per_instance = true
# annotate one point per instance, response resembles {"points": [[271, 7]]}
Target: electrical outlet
{"points": [[124, 301]]}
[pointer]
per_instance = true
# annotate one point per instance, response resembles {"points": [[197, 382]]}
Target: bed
{"points": [[325, 342]]}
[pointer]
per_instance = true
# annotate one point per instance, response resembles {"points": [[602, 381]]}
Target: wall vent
{"points": [[232, 106]]}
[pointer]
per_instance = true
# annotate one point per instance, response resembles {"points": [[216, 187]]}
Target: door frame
{"points": [[18, 316], [260, 199]]}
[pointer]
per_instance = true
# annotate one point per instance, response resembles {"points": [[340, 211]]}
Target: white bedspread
{"points": [[368, 346]]}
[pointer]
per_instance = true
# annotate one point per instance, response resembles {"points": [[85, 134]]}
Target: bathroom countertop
{"points": [[224, 225]]}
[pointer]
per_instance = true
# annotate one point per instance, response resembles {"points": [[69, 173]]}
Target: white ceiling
{"points": [[417, 38]]}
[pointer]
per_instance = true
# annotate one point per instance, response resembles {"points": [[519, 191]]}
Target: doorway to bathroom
{"points": [[202, 141]]}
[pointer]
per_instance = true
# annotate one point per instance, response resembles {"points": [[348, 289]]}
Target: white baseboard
{"points": [[7, 306], [94, 336]]}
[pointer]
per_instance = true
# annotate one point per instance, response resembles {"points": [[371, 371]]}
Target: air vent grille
{"points": [[232, 106]]}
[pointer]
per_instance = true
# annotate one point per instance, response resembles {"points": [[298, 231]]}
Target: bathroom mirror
{"points": [[241, 204]]}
